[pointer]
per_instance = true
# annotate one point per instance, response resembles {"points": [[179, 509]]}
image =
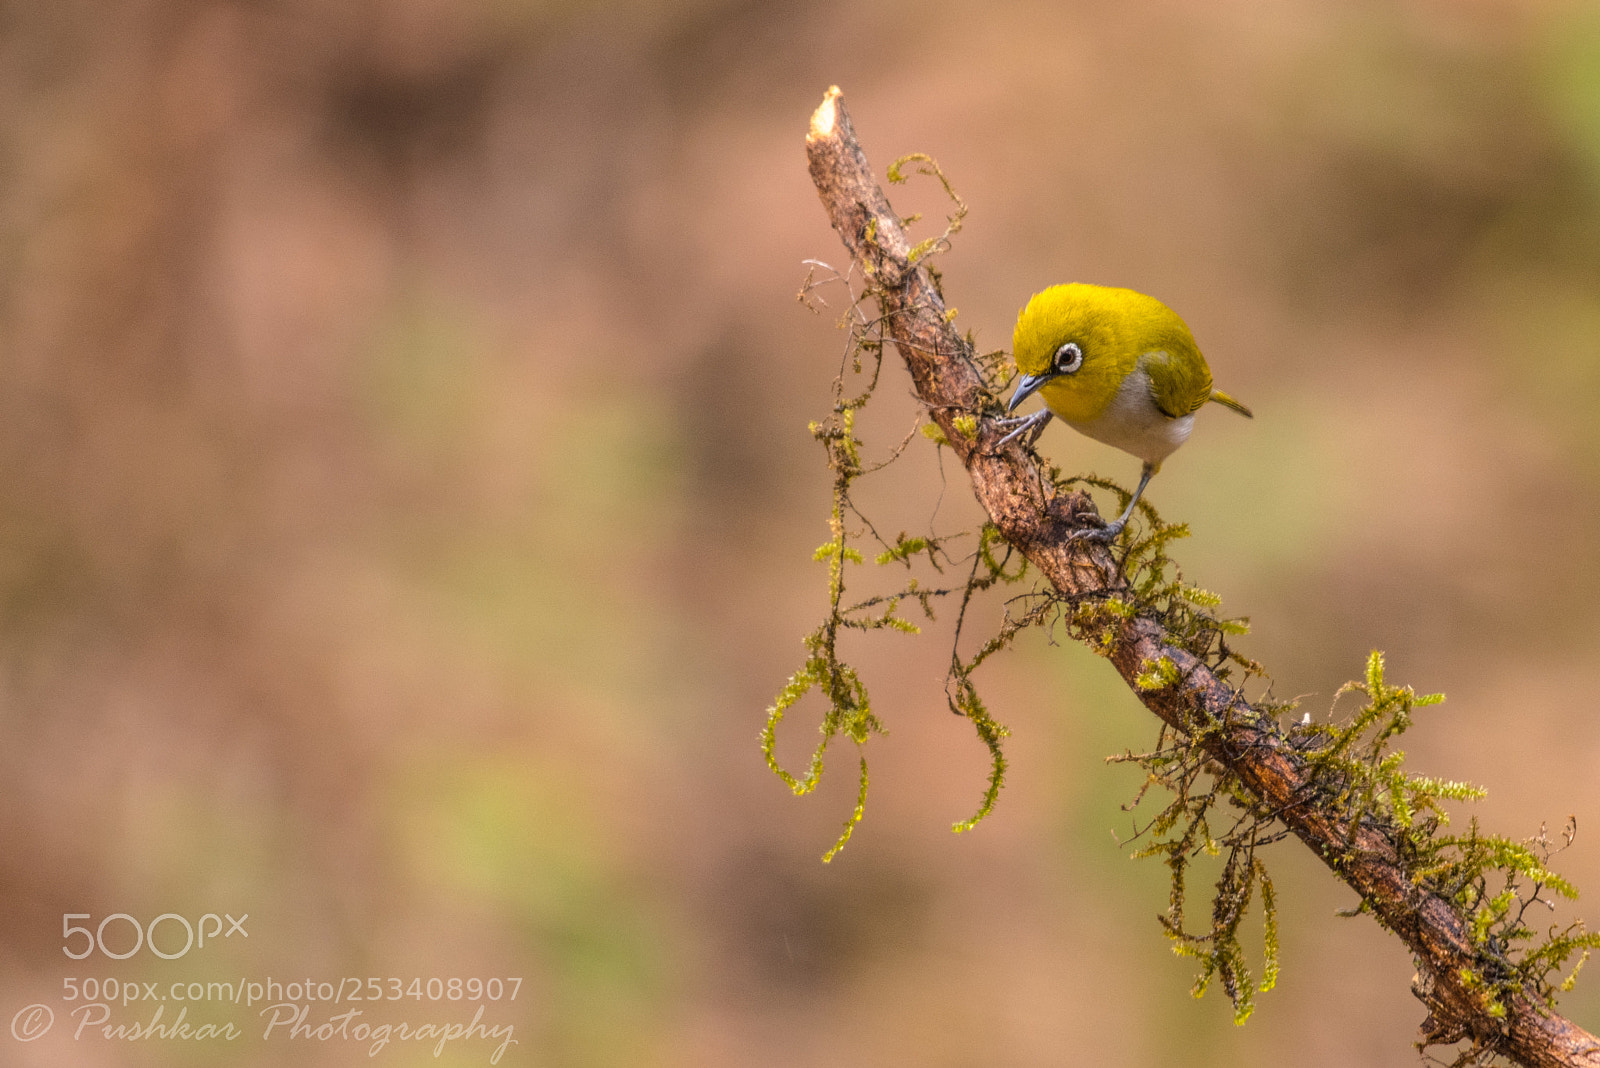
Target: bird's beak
{"points": [[1026, 385]]}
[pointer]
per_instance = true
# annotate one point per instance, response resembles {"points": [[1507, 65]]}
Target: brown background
{"points": [[406, 501]]}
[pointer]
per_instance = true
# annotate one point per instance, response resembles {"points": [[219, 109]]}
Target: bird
{"points": [[1116, 365]]}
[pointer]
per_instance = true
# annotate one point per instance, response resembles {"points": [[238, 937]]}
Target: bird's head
{"points": [[1081, 341]]}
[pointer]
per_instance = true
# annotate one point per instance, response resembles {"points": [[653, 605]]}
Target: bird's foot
{"points": [[1106, 532], [1032, 425]]}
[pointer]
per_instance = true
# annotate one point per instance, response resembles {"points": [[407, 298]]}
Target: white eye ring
{"points": [[1069, 358]]}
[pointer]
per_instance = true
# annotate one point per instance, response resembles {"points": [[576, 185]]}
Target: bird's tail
{"points": [[1228, 402]]}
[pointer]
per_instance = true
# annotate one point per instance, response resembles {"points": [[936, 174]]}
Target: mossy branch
{"points": [[1358, 823]]}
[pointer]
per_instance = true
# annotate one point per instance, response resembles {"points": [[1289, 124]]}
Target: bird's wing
{"points": [[1179, 382]]}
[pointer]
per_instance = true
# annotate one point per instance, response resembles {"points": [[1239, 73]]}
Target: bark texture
{"points": [[1039, 522]]}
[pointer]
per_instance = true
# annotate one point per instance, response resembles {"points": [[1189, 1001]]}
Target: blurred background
{"points": [[406, 502]]}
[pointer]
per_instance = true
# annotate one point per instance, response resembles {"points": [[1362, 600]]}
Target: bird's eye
{"points": [[1069, 358]]}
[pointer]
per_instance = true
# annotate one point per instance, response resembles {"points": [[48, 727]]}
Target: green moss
{"points": [[933, 245], [849, 712], [849, 708], [1492, 881], [1157, 674]]}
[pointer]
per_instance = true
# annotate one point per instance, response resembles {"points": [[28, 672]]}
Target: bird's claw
{"points": [[1018, 425], [1106, 532]]}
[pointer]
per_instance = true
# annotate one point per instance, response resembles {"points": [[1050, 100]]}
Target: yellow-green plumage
{"points": [[1116, 365], [1129, 341], [1115, 327]]}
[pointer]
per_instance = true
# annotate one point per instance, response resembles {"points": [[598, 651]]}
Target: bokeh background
{"points": [[406, 502]]}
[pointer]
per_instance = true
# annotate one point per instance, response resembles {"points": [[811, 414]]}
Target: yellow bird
{"points": [[1116, 365]]}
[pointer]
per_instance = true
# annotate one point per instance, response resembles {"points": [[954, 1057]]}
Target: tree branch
{"points": [[1038, 520]]}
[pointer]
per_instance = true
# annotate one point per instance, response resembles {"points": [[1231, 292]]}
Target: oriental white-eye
{"points": [[1116, 365]]}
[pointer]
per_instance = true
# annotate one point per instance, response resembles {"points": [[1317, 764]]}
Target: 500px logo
{"points": [[144, 936]]}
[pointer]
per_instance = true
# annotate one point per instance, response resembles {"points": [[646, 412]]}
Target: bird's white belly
{"points": [[1133, 423]]}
